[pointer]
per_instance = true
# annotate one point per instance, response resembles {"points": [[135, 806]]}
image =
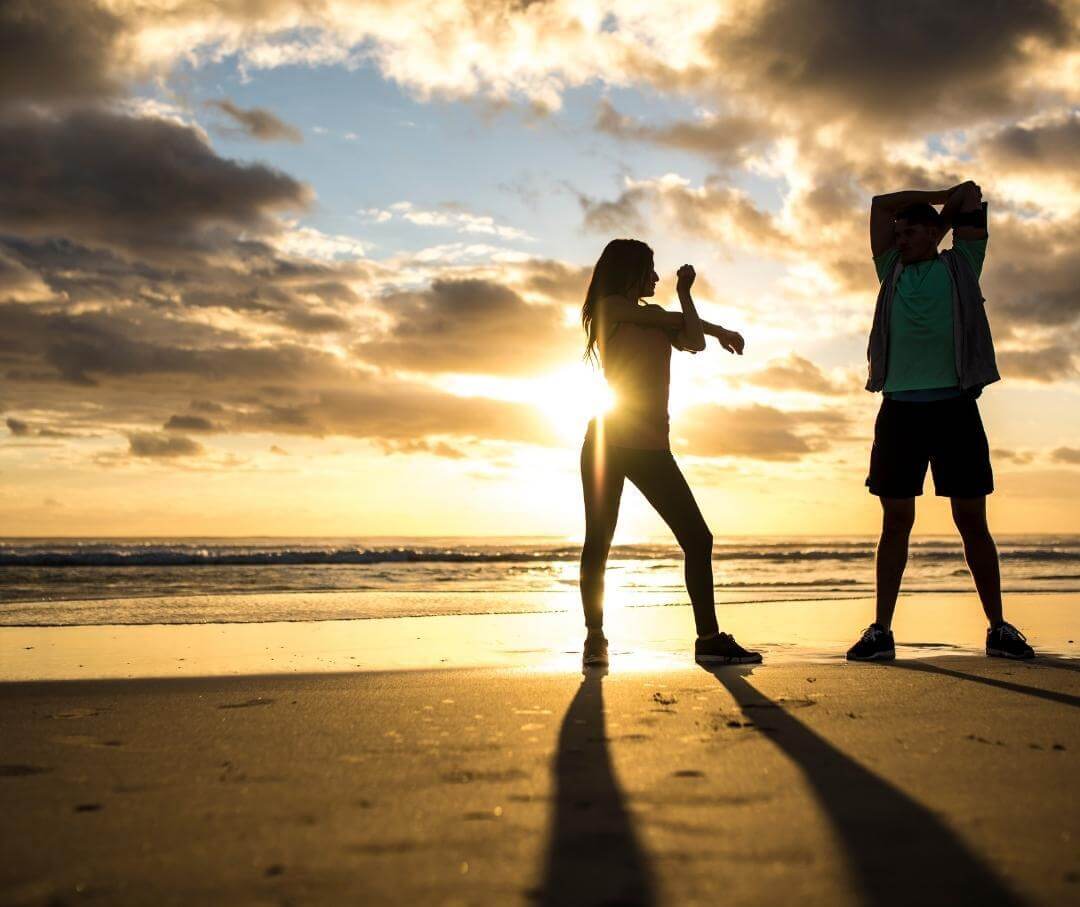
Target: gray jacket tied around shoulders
{"points": [[975, 362]]}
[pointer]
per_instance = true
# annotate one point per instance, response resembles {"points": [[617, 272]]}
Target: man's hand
{"points": [[732, 341], [963, 200], [972, 197], [684, 279]]}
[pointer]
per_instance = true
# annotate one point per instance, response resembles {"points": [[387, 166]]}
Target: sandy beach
{"points": [[346, 762]]}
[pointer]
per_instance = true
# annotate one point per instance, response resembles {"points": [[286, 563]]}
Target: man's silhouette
{"points": [[931, 354]]}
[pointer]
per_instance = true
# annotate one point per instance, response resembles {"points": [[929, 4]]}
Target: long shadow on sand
{"points": [[1052, 695], [898, 851], [593, 854]]}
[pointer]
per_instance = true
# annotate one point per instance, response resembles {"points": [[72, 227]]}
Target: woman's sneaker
{"points": [[1005, 641], [595, 653], [876, 645], [723, 650]]}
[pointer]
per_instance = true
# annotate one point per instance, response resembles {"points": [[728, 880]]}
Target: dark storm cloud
{"points": [[756, 432], [147, 444], [727, 140], [257, 122], [138, 183], [888, 63], [474, 326], [56, 50]]}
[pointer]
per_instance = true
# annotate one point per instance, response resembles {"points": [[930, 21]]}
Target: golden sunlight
{"points": [[571, 397]]}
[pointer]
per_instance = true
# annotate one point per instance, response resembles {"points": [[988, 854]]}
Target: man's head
{"points": [[919, 230]]}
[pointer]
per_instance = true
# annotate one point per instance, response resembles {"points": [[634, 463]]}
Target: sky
{"points": [[316, 268]]}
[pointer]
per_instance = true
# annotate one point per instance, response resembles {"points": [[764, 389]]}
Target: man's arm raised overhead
{"points": [[883, 210]]}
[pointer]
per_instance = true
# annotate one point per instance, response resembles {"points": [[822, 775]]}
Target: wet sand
{"points": [[940, 779]]}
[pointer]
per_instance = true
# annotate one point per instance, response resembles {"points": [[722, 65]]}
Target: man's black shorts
{"points": [[947, 434]]}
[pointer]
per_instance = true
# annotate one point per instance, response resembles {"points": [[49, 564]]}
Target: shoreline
{"points": [[771, 595], [653, 638]]}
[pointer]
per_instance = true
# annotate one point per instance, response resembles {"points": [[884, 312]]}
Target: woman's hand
{"points": [[732, 341], [684, 279]]}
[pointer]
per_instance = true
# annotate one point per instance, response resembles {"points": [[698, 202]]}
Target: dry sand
{"points": [[947, 779]]}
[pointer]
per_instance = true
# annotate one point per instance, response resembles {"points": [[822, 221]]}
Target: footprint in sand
{"points": [[70, 714], [85, 740], [22, 771], [247, 704], [688, 773], [467, 777]]}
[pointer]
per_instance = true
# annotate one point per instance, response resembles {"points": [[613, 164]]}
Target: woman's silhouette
{"points": [[634, 342]]}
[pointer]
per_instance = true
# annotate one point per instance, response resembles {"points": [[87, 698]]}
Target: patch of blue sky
{"points": [[368, 144]]}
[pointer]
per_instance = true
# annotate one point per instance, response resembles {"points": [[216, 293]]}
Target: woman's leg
{"points": [[602, 483], [661, 481]]}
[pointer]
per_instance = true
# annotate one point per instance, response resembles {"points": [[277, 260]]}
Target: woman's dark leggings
{"points": [[657, 477]]}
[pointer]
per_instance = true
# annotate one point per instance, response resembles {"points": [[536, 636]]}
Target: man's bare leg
{"points": [[981, 554], [897, 518]]}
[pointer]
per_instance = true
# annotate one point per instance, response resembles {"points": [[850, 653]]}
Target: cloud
{"points": [[1046, 365], [256, 122], [181, 422], [147, 444], [1052, 145], [17, 427], [1066, 455], [86, 347], [449, 215], [437, 449], [56, 50], [794, 373], [393, 411], [1034, 280], [713, 210], [1019, 457], [756, 432], [474, 326], [142, 184], [727, 140], [888, 66]]}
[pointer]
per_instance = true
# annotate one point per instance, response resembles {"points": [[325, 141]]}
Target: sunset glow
{"points": [[298, 258]]}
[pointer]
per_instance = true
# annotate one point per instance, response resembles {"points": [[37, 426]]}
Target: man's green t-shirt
{"points": [[921, 352]]}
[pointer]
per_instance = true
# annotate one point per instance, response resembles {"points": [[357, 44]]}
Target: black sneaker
{"points": [[595, 653], [876, 645], [1006, 641], [723, 650]]}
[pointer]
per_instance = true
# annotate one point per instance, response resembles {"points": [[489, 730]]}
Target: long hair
{"points": [[620, 267]]}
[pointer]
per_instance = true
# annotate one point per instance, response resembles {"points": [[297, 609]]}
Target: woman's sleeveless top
{"points": [[637, 364]]}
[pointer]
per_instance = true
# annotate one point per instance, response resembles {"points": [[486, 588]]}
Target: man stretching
{"points": [[931, 353]]}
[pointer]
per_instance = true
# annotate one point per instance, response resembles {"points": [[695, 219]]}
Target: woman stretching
{"points": [[634, 341]]}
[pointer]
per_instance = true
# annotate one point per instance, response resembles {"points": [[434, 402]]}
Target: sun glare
{"points": [[571, 397]]}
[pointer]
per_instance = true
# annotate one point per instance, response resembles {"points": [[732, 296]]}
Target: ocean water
{"points": [[47, 582]]}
